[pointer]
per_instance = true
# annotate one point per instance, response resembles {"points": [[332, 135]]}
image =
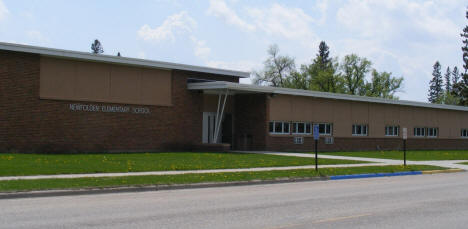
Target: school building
{"points": [[55, 100]]}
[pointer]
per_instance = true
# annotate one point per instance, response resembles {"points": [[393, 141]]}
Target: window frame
{"points": [[435, 129], [295, 125], [397, 128], [466, 132], [354, 130], [421, 128], [325, 128], [282, 128]]}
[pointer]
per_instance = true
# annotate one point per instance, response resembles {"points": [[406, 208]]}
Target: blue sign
{"points": [[316, 131]]}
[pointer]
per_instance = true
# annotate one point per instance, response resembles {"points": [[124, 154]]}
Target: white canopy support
{"points": [[219, 115]]}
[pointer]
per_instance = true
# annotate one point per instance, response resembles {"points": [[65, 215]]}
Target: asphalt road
{"points": [[424, 201]]}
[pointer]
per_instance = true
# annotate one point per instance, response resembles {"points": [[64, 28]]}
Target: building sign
{"points": [[109, 108]]}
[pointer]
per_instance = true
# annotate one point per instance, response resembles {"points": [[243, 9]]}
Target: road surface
{"points": [[424, 201]]}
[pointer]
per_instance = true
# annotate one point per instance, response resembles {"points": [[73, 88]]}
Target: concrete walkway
{"points": [[178, 172], [453, 164]]}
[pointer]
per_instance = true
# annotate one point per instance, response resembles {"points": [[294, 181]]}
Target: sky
{"points": [[399, 36]]}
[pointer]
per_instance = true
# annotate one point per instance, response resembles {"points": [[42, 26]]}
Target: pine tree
{"points": [[96, 47], [323, 56], [460, 90], [435, 85], [455, 76], [448, 82]]}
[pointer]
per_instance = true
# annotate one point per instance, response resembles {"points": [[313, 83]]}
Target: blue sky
{"points": [[401, 36]]}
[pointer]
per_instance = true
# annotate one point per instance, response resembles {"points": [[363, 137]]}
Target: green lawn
{"points": [[419, 155], [45, 184], [35, 164]]}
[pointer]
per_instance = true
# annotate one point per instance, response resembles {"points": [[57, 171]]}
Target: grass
{"points": [[48, 164], [419, 155], [47, 184]]}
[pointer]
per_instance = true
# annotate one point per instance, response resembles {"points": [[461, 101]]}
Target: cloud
{"points": [[201, 49], [242, 65], [388, 19], [175, 24], [290, 23], [37, 37], [3, 10], [219, 9]]}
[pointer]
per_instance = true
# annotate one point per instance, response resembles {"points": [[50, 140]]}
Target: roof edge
{"points": [[61, 53], [299, 92]]}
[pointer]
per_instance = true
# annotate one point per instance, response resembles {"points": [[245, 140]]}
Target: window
{"points": [[298, 140], [276, 127], [464, 133], [325, 128], [432, 132], [360, 130], [392, 131], [419, 132], [301, 128]]}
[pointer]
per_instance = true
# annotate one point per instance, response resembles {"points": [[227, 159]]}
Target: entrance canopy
{"points": [[221, 88]]}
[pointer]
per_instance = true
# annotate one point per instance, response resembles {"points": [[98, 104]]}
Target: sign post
{"points": [[405, 136], [316, 138]]}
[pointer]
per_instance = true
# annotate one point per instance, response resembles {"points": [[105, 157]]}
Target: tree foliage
{"points": [[435, 85], [277, 69], [96, 47], [354, 70], [328, 74], [383, 85], [460, 89]]}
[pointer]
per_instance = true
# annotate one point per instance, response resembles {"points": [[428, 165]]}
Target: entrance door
{"points": [[209, 120]]}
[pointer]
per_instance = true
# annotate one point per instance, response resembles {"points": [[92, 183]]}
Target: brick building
{"points": [[64, 101]]}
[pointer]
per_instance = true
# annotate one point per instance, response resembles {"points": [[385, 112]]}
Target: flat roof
{"points": [[67, 54], [221, 86]]}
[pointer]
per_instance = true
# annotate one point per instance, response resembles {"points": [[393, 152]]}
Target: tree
{"points": [[118, 53], [276, 69], [383, 85], [96, 47], [322, 74], [448, 82], [435, 85], [323, 56], [354, 69], [455, 76], [460, 89]]}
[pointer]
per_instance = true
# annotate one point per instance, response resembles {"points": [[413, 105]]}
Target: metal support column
{"points": [[219, 116]]}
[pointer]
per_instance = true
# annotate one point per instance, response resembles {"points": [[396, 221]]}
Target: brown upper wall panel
{"points": [[343, 114], [100, 82]]}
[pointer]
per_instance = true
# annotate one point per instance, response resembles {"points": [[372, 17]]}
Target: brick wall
{"points": [[250, 121], [285, 143], [29, 124]]}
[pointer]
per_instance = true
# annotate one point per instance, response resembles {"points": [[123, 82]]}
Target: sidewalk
{"points": [[453, 164], [178, 172]]}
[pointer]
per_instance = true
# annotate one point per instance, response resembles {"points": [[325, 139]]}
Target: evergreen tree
{"points": [[460, 89], [118, 53], [455, 76], [435, 85], [96, 47], [448, 82], [323, 56]]}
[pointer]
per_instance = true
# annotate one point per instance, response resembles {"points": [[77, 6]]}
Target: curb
{"points": [[370, 175], [443, 171], [110, 190]]}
